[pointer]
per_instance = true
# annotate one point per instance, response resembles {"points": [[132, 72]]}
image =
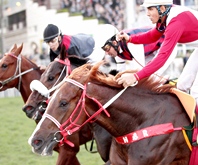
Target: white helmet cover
{"points": [[149, 3], [103, 33]]}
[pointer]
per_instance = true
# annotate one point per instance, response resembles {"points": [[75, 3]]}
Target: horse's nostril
{"points": [[37, 144], [27, 108]]}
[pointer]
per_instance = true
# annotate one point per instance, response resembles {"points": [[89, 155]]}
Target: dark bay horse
{"points": [[145, 121], [17, 71], [53, 75]]}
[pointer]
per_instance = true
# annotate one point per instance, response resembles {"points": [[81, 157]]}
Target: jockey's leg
{"points": [[194, 90], [188, 80]]}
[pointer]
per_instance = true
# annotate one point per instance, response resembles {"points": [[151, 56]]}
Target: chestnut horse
{"points": [[35, 107], [145, 121], [17, 71]]}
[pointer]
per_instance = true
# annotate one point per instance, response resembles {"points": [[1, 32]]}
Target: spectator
{"points": [[110, 11]]}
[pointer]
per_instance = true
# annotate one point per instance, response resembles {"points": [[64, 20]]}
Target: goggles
{"points": [[106, 47], [53, 41]]}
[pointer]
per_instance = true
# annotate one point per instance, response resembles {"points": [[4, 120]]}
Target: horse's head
{"points": [[60, 107], [8, 67], [53, 75]]}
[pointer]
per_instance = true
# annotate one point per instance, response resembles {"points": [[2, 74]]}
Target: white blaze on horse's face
{"points": [[36, 129], [42, 119]]}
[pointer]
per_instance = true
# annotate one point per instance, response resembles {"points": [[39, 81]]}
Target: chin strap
{"points": [[164, 13]]}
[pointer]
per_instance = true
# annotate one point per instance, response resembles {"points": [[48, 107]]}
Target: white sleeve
{"points": [[188, 80], [137, 50]]}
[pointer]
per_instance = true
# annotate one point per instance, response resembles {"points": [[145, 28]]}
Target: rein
{"points": [[73, 126], [18, 69], [67, 64]]}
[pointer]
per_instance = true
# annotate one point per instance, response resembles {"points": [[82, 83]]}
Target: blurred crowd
{"points": [[109, 11]]}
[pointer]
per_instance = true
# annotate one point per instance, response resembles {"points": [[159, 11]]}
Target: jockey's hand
{"points": [[127, 79], [122, 36], [42, 67]]}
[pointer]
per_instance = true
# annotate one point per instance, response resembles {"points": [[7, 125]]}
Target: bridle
{"points": [[70, 126], [17, 70], [67, 64]]}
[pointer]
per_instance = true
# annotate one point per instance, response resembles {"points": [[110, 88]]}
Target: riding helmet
{"points": [[149, 3], [50, 32]]}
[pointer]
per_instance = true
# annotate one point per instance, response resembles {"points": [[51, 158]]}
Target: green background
{"points": [[16, 128]]}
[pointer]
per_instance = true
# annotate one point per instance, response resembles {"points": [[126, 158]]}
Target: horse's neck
{"points": [[126, 113], [26, 79]]}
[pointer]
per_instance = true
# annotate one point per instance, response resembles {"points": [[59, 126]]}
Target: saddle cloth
{"points": [[187, 101]]}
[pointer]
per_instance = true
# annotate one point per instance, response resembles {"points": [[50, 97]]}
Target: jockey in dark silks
{"points": [[137, 55], [81, 45]]}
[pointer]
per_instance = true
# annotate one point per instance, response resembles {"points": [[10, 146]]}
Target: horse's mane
{"points": [[88, 73], [153, 83], [35, 66]]}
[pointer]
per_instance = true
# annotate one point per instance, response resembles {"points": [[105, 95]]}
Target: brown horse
{"points": [[145, 121], [34, 109], [17, 71], [53, 75]]}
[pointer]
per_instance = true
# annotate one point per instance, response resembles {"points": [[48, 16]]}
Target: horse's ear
{"points": [[63, 53], [14, 48], [19, 49], [21, 46]]}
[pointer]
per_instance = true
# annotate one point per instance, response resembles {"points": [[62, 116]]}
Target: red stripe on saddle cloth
{"points": [[146, 133]]}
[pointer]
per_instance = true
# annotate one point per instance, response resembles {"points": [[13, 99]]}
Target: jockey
{"points": [[81, 45], [172, 21], [140, 54]]}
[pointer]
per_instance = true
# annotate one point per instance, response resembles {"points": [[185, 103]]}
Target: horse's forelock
{"points": [[81, 74], [101, 77]]}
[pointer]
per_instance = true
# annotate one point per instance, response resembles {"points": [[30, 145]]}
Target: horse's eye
{"points": [[4, 65], [63, 103], [50, 78]]}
